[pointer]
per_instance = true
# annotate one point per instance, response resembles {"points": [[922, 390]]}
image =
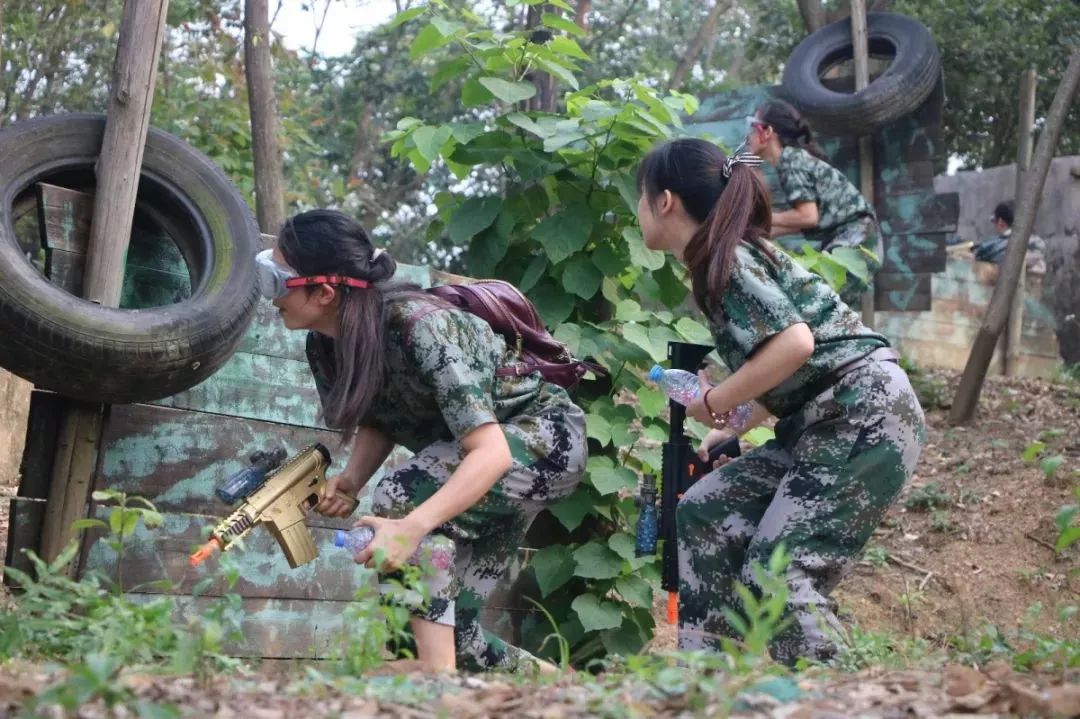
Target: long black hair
{"points": [[730, 209], [330, 242], [790, 127]]}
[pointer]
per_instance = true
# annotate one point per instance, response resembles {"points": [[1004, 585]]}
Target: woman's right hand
{"points": [[713, 438], [331, 504]]}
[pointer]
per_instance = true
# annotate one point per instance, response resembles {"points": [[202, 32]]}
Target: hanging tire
{"points": [[63, 343], [899, 90]]}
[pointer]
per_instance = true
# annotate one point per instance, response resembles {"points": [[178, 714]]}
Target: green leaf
{"points": [[487, 249], [405, 16], [694, 331], [528, 124], [596, 561], [448, 28], [552, 302], [625, 641], [474, 94], [553, 567], [428, 39], [565, 232], [639, 335], [560, 23], [607, 260], [1033, 450], [89, 524], [533, 272], [641, 255], [630, 311], [628, 191], [474, 215], [598, 428], [466, 132], [1050, 465], [758, 436], [567, 46], [635, 590], [595, 614], [582, 278], [507, 91], [651, 401], [608, 480], [430, 140], [853, 261], [558, 70], [1067, 538], [622, 544], [562, 139], [572, 510]]}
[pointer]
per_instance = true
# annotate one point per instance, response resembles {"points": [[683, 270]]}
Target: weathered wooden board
{"points": [[25, 517], [276, 628], [919, 212], [176, 458], [161, 555], [914, 253], [906, 292]]}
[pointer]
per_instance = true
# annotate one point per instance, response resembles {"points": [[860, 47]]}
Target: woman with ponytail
{"points": [[397, 366], [850, 428], [825, 207]]}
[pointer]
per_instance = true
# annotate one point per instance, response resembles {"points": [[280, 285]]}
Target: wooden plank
{"points": [[259, 387], [276, 628], [176, 458], [920, 212], [161, 555], [918, 253], [25, 517], [39, 452], [902, 292]]}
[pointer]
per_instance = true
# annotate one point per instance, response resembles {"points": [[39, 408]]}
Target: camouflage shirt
{"points": [[762, 299], [805, 178], [440, 381]]}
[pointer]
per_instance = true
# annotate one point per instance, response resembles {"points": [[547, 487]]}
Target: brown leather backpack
{"points": [[512, 315]]}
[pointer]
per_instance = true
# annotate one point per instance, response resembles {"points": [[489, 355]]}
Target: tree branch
{"points": [[813, 15], [967, 394], [703, 35]]}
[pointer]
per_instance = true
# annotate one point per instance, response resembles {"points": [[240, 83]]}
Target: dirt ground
{"points": [[968, 544]]}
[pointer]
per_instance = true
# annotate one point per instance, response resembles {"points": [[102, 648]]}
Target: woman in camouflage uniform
{"points": [[825, 207], [850, 427], [396, 366]]}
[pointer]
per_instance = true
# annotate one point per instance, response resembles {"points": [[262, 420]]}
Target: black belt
{"points": [[881, 354]]}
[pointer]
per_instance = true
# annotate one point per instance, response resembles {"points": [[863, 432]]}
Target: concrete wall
{"points": [[1058, 222]]}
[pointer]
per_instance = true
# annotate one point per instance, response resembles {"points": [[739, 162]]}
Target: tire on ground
{"points": [[900, 89], [83, 350]]}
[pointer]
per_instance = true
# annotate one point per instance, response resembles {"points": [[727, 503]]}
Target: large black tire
{"points": [[902, 88], [77, 348]]}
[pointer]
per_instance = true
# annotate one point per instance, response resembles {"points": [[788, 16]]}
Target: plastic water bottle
{"points": [[434, 549], [645, 534], [677, 384]]}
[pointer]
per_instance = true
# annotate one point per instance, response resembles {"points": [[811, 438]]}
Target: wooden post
{"points": [[866, 145], [967, 394], [141, 29], [262, 106], [1025, 140]]}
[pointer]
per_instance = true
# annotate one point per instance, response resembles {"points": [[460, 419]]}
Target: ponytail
{"points": [[730, 210]]}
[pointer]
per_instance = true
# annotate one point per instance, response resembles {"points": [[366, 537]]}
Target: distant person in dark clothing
{"points": [[993, 249]]}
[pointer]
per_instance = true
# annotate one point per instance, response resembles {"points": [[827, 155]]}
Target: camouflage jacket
{"points": [[805, 178], [763, 298], [440, 381]]}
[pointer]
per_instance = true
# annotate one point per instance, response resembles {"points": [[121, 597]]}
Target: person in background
{"points": [[825, 207], [994, 248]]}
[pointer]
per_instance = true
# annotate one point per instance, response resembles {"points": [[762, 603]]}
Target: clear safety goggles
{"points": [[752, 123], [276, 280]]}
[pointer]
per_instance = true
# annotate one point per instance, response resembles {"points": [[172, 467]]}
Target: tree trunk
{"points": [[813, 15], [697, 44], [967, 394], [262, 105], [581, 14], [544, 99]]}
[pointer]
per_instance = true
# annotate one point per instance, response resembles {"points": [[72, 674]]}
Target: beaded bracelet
{"points": [[735, 418]]}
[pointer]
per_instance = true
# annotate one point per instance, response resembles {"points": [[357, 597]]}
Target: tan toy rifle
{"points": [[281, 501]]}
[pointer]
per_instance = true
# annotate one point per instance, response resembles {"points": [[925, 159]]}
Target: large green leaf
{"points": [[428, 39], [508, 91], [582, 278], [553, 567], [528, 124], [622, 544], [430, 140], [560, 23], [598, 428], [608, 480], [474, 215], [694, 331], [572, 510], [565, 232], [596, 614], [625, 641], [635, 590], [553, 303], [533, 272], [651, 401], [597, 561], [641, 255]]}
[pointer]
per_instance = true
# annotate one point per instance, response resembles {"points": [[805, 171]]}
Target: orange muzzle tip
{"points": [[203, 552], [673, 607]]}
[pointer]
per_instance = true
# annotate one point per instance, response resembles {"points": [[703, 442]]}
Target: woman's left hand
{"points": [[697, 408], [397, 538]]}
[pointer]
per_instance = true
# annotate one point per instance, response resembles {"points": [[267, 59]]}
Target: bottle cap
{"points": [[339, 538], [656, 373]]}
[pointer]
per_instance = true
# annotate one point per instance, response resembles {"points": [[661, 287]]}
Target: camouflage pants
{"points": [[864, 233], [549, 455], [820, 488]]}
